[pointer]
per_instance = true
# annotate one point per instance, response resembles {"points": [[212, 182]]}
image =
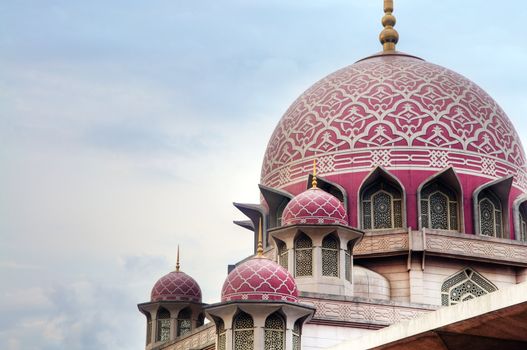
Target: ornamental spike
{"points": [[259, 250], [389, 36]]}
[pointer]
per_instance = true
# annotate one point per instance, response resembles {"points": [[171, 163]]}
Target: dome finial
{"points": [[314, 181], [259, 250], [177, 259], [389, 36]]}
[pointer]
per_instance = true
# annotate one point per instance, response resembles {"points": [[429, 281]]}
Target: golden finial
{"points": [[259, 250], [177, 259], [314, 181], [389, 36]]}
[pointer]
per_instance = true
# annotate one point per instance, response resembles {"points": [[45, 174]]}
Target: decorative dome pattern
{"points": [[314, 206], [259, 279], [393, 111], [176, 286]]}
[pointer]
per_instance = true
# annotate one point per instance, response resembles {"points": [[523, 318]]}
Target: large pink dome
{"points": [[176, 286], [314, 206], [400, 112], [259, 279]]}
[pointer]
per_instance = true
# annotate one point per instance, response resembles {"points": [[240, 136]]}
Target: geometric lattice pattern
{"points": [[490, 215], [176, 286], [274, 333], [303, 256], [465, 285], [259, 279], [243, 332], [394, 111], [381, 206], [439, 207], [330, 256], [314, 206]]}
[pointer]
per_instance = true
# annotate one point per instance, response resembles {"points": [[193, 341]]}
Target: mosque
{"points": [[392, 215]]}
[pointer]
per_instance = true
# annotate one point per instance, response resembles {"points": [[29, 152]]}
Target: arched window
{"points": [[163, 325], [303, 256], [222, 338], [490, 214], [184, 324], [148, 328], [282, 254], [297, 335], [522, 234], [348, 263], [274, 332], [243, 326], [381, 206], [465, 285], [330, 256], [439, 207]]}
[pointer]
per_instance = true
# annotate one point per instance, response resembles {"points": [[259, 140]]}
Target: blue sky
{"points": [[131, 126]]}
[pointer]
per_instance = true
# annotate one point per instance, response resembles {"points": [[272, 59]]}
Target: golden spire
{"points": [[314, 181], [389, 36], [259, 250], [177, 259]]}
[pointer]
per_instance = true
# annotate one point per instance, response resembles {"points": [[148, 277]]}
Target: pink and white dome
{"points": [[314, 206], [397, 111], [176, 286], [259, 279]]}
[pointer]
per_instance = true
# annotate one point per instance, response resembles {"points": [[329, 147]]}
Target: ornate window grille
{"points": [[283, 255], [349, 272], [330, 256], [243, 326], [297, 336], [381, 207], [303, 256], [274, 332], [522, 235], [465, 285], [163, 325], [184, 325], [490, 215], [439, 207], [222, 338]]}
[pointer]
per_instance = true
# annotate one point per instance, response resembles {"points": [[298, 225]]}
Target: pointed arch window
{"points": [[381, 206], [274, 332], [439, 207], [283, 255], [163, 325], [303, 256], [297, 329], [222, 337], [465, 285], [490, 214], [330, 256], [243, 326], [184, 324]]}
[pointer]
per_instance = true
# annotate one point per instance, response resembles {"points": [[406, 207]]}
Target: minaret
{"points": [[389, 36], [175, 308]]}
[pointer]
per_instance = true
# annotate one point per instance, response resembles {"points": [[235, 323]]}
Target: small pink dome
{"points": [[315, 206], [176, 286], [259, 279]]}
